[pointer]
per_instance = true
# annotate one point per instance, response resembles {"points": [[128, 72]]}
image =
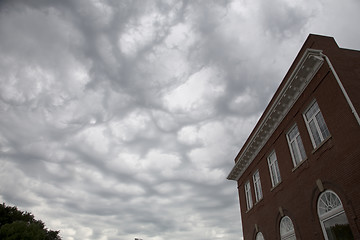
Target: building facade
{"points": [[298, 173]]}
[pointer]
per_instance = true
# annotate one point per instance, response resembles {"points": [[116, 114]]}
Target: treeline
{"points": [[16, 224]]}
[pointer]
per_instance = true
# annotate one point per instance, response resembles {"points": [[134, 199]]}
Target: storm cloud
{"points": [[121, 119]]}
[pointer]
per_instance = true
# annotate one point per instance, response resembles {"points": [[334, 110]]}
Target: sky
{"points": [[122, 119]]}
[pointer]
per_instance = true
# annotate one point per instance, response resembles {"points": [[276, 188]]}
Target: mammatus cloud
{"points": [[121, 119]]}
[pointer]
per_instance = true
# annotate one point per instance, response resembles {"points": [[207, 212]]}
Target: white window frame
{"points": [[296, 146], [259, 236], [322, 134], [249, 202], [287, 231], [274, 169], [257, 186], [329, 206]]}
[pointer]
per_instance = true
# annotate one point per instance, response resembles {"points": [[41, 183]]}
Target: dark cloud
{"points": [[283, 19], [121, 119]]}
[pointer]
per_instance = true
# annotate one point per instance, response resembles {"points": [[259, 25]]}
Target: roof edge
{"points": [[306, 68]]}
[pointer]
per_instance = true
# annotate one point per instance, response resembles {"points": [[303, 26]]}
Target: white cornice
{"points": [[304, 71]]}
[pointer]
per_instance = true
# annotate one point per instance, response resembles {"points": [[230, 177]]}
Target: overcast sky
{"points": [[121, 119]]}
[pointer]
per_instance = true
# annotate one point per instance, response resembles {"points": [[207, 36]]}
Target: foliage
{"points": [[16, 224], [341, 232]]}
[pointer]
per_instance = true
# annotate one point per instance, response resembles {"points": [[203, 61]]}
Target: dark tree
{"points": [[16, 224]]}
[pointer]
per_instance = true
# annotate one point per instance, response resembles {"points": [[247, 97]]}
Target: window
{"points": [[257, 186], [249, 202], [316, 125], [296, 146], [274, 169], [332, 217], [287, 231], [259, 236]]}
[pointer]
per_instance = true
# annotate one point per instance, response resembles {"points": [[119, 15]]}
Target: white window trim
{"points": [[278, 181], [297, 146], [248, 197], [259, 236], [322, 139], [290, 234], [257, 186], [330, 214]]}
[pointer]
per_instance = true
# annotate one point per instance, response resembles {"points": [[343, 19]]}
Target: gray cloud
{"points": [[121, 119]]}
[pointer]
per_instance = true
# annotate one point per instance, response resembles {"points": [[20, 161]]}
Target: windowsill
{"points": [[299, 165], [258, 201], [321, 144], [249, 209], [255, 204], [275, 186]]}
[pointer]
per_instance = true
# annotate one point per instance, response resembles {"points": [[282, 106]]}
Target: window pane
{"points": [[312, 110], [292, 237], [293, 133], [273, 175], [338, 228], [274, 169], [277, 172], [286, 226], [301, 147], [295, 152], [332, 217], [328, 201], [316, 124], [296, 145], [323, 128], [256, 194], [257, 186], [259, 236], [272, 158], [314, 133], [260, 192], [287, 229], [248, 197]]}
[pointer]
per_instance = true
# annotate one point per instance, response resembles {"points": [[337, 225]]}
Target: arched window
{"points": [[332, 217], [259, 236], [287, 229]]}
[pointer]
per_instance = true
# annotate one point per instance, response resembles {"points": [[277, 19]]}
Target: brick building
{"points": [[298, 173]]}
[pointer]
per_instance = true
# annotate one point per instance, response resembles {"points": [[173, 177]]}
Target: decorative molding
{"points": [[304, 71], [320, 185], [281, 211]]}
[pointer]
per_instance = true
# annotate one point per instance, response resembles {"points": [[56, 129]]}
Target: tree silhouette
{"points": [[16, 224]]}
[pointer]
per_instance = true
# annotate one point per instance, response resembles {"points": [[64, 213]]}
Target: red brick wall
{"points": [[336, 163]]}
